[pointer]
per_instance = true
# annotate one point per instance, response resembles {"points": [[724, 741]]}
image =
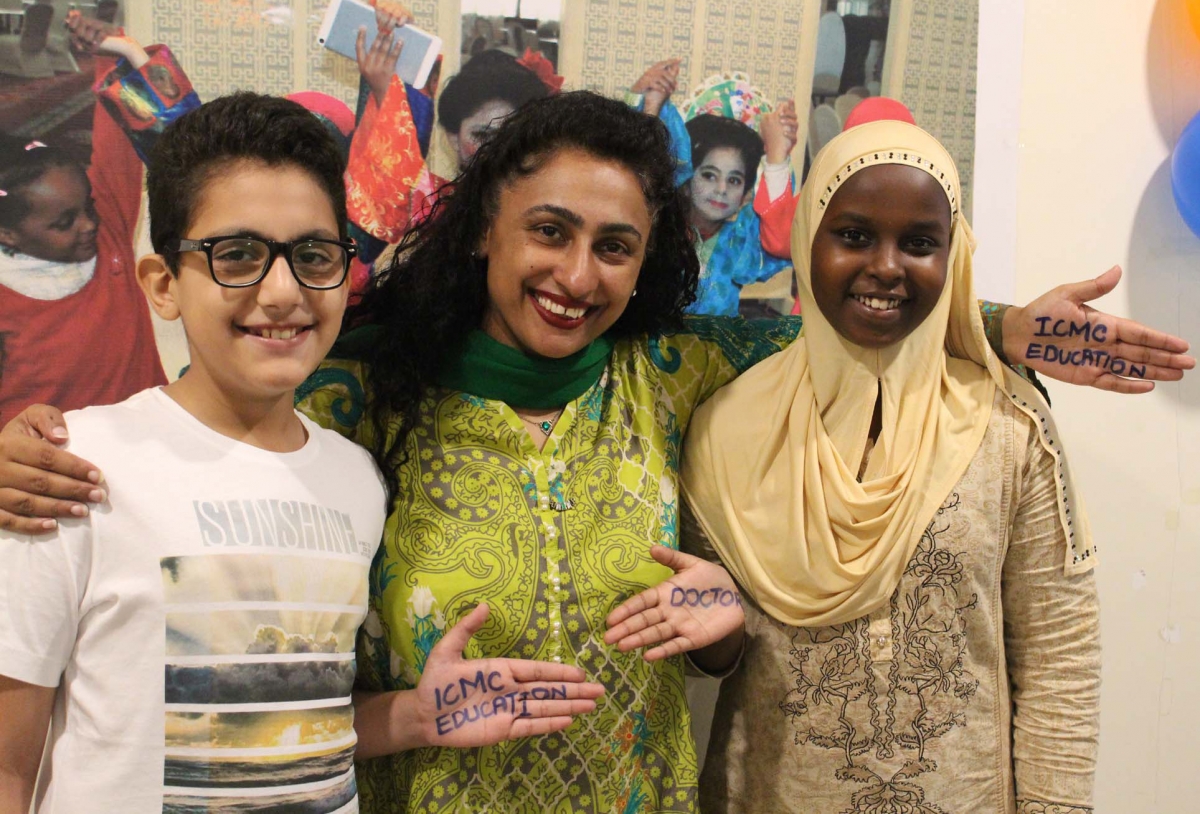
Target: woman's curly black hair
{"points": [[435, 291]]}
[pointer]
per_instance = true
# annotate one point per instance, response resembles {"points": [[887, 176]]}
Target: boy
{"points": [[202, 620]]}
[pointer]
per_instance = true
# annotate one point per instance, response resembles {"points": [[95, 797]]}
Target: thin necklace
{"points": [[547, 425]]}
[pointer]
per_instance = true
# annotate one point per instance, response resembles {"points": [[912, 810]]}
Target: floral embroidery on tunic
{"points": [[911, 679]]}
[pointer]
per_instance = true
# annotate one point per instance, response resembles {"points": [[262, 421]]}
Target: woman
{"points": [[530, 410], [924, 633]]}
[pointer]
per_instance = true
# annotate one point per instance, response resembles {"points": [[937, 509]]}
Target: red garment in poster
{"points": [[97, 345]]}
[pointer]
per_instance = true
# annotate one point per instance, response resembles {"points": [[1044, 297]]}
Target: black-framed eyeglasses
{"points": [[237, 261]]}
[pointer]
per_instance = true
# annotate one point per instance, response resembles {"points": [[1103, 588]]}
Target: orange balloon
{"points": [[1194, 11]]}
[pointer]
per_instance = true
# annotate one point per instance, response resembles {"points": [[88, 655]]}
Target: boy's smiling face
{"points": [[225, 326]]}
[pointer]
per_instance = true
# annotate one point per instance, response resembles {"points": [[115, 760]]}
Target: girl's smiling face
{"points": [[880, 254], [60, 224], [718, 188]]}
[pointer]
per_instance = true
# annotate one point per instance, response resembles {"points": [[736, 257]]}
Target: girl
{"points": [[923, 634], [719, 153], [74, 327]]}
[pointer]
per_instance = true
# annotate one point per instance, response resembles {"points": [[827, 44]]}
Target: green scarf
{"points": [[492, 370]]}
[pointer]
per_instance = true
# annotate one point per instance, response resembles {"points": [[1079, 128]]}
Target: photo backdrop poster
{"points": [[825, 54]]}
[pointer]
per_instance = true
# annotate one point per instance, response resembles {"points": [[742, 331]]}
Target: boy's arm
{"points": [[24, 718], [1052, 644], [39, 619]]}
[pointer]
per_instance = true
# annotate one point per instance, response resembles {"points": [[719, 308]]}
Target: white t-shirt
{"points": [[201, 623]]}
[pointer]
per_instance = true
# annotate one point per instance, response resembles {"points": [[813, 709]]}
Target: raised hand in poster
{"points": [[778, 131], [377, 64], [476, 702], [697, 607], [658, 83]]}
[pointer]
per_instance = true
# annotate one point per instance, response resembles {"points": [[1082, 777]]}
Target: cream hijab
{"points": [[772, 460]]}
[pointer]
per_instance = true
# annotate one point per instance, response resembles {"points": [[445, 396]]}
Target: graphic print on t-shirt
{"points": [[259, 671]]}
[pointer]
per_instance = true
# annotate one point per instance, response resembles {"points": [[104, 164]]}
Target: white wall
{"points": [[1106, 88]]}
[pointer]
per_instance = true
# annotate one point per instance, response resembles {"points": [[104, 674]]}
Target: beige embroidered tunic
{"points": [[974, 691]]}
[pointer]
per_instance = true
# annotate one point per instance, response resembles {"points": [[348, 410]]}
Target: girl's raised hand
{"points": [[377, 64], [779, 129], [1061, 337], [391, 14], [697, 607], [480, 702], [94, 36], [658, 83]]}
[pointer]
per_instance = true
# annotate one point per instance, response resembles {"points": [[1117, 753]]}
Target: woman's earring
{"points": [[634, 294]]}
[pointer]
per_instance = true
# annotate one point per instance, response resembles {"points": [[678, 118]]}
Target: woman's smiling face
{"points": [[563, 253], [880, 254]]}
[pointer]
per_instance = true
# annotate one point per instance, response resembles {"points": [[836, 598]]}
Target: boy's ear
{"points": [[158, 284]]}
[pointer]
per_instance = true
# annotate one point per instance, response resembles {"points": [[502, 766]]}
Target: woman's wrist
{"points": [[719, 658], [387, 723]]}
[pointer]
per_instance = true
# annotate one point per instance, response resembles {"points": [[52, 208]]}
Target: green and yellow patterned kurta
{"points": [[553, 541]]}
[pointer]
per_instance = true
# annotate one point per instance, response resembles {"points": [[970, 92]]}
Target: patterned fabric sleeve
{"points": [[710, 352], [776, 216], [334, 396], [750, 264], [145, 100], [993, 326], [387, 182], [1052, 642]]}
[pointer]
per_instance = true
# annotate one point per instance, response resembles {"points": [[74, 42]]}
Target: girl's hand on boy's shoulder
{"points": [[1061, 337], [696, 607], [38, 481]]}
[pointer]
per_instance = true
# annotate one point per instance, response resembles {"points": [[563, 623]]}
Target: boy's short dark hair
{"points": [[242, 126], [710, 132]]}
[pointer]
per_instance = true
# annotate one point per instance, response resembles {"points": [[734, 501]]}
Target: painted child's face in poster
{"points": [[718, 185], [61, 223]]}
